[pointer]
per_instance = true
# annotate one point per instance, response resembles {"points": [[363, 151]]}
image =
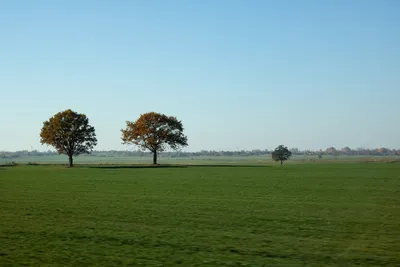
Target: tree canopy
{"points": [[281, 153], [69, 133], [155, 132]]}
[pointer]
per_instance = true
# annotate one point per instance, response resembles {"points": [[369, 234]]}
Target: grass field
{"points": [[297, 215]]}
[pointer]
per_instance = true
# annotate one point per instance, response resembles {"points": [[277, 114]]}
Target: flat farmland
{"points": [[336, 214]]}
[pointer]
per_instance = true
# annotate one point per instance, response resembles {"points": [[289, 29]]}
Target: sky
{"points": [[239, 74]]}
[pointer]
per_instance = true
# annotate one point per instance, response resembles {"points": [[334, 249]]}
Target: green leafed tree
{"points": [[281, 153], [154, 132], [69, 133]]}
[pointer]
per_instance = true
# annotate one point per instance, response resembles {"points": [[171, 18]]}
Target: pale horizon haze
{"points": [[238, 74]]}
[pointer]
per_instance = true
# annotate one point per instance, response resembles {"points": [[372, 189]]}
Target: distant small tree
{"points": [[281, 153], [155, 132], [69, 133], [320, 156]]}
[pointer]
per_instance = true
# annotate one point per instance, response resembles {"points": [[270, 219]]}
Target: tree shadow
{"points": [[231, 166], [3, 167], [177, 166], [136, 166]]}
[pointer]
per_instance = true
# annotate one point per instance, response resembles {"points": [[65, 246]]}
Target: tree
{"points": [[331, 151], [346, 150], [281, 153], [155, 132], [69, 133], [383, 151]]}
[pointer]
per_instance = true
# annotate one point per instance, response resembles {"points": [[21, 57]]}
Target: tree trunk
{"points": [[281, 162], [154, 157], [71, 161]]}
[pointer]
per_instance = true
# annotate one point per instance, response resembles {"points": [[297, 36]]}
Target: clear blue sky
{"points": [[239, 74]]}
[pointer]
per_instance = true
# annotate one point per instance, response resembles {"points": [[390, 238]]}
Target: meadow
{"points": [[325, 214]]}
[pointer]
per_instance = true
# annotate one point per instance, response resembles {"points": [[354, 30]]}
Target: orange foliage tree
{"points": [[154, 132], [69, 133]]}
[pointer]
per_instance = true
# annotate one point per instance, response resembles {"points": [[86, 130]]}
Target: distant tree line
{"points": [[24, 153], [213, 153], [346, 151]]}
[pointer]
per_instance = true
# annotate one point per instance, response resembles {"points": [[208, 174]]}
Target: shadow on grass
{"points": [[394, 161], [136, 166], [231, 166], [110, 166], [4, 166], [175, 166]]}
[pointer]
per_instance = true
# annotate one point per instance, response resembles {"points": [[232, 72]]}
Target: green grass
{"points": [[299, 215]]}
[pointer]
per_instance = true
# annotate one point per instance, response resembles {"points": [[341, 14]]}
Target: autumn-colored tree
{"points": [[155, 132], [69, 133], [281, 153]]}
